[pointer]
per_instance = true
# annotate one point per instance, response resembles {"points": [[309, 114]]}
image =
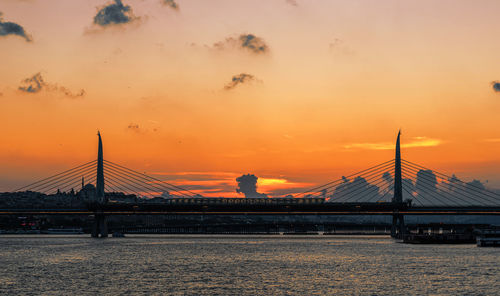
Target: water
{"points": [[243, 265]]}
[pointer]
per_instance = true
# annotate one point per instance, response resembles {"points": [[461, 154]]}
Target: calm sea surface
{"points": [[243, 265]]}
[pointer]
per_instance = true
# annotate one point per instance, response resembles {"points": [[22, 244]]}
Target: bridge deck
{"points": [[260, 209]]}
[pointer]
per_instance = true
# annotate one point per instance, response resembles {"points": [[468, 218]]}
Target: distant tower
{"points": [[398, 186], [100, 173]]}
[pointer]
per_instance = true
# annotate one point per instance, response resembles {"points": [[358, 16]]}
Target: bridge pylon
{"points": [[100, 225], [398, 223]]}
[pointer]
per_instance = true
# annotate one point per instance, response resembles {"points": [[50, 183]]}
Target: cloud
{"points": [[133, 127], [149, 127], [416, 142], [247, 42], [170, 3], [239, 79], [247, 184], [496, 86], [338, 47], [36, 84], [292, 2], [114, 14], [10, 28]]}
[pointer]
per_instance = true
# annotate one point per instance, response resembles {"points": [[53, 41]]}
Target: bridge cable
{"points": [[461, 191], [123, 184], [413, 196], [463, 188], [341, 179], [493, 195], [347, 186], [51, 180], [140, 184], [429, 184], [454, 195], [367, 177], [152, 178], [19, 189], [63, 182], [444, 194], [143, 182], [351, 188], [368, 188], [422, 192]]}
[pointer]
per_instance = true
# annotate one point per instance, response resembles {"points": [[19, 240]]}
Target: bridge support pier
{"points": [[398, 228], [100, 226]]}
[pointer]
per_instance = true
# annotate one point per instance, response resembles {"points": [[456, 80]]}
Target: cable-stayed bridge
{"points": [[396, 187]]}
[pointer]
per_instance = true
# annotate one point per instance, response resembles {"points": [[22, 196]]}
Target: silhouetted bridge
{"points": [[396, 188]]}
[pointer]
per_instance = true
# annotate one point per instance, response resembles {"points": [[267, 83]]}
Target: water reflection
{"points": [[243, 265]]}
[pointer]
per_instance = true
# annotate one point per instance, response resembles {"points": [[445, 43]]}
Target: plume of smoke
{"points": [[10, 28], [36, 83], [247, 184]]}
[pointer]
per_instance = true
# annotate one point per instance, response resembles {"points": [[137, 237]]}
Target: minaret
{"points": [[100, 173], [398, 186]]}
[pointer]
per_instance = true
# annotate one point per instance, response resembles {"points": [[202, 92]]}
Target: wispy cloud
{"points": [[248, 42], [141, 129], [170, 3], [10, 28], [239, 79], [292, 2], [414, 143], [36, 84]]}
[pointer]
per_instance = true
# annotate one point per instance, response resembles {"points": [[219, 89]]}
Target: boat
{"points": [[489, 237]]}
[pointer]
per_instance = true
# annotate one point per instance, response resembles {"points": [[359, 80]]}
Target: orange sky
{"points": [[326, 96]]}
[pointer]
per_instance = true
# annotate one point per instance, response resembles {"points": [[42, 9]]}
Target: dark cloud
{"points": [[9, 28], [114, 14], [33, 84], [36, 83], [496, 86], [426, 181], [248, 42], [247, 184], [238, 79], [171, 3]]}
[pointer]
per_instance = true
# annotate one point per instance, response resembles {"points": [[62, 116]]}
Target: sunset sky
{"points": [[296, 92]]}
